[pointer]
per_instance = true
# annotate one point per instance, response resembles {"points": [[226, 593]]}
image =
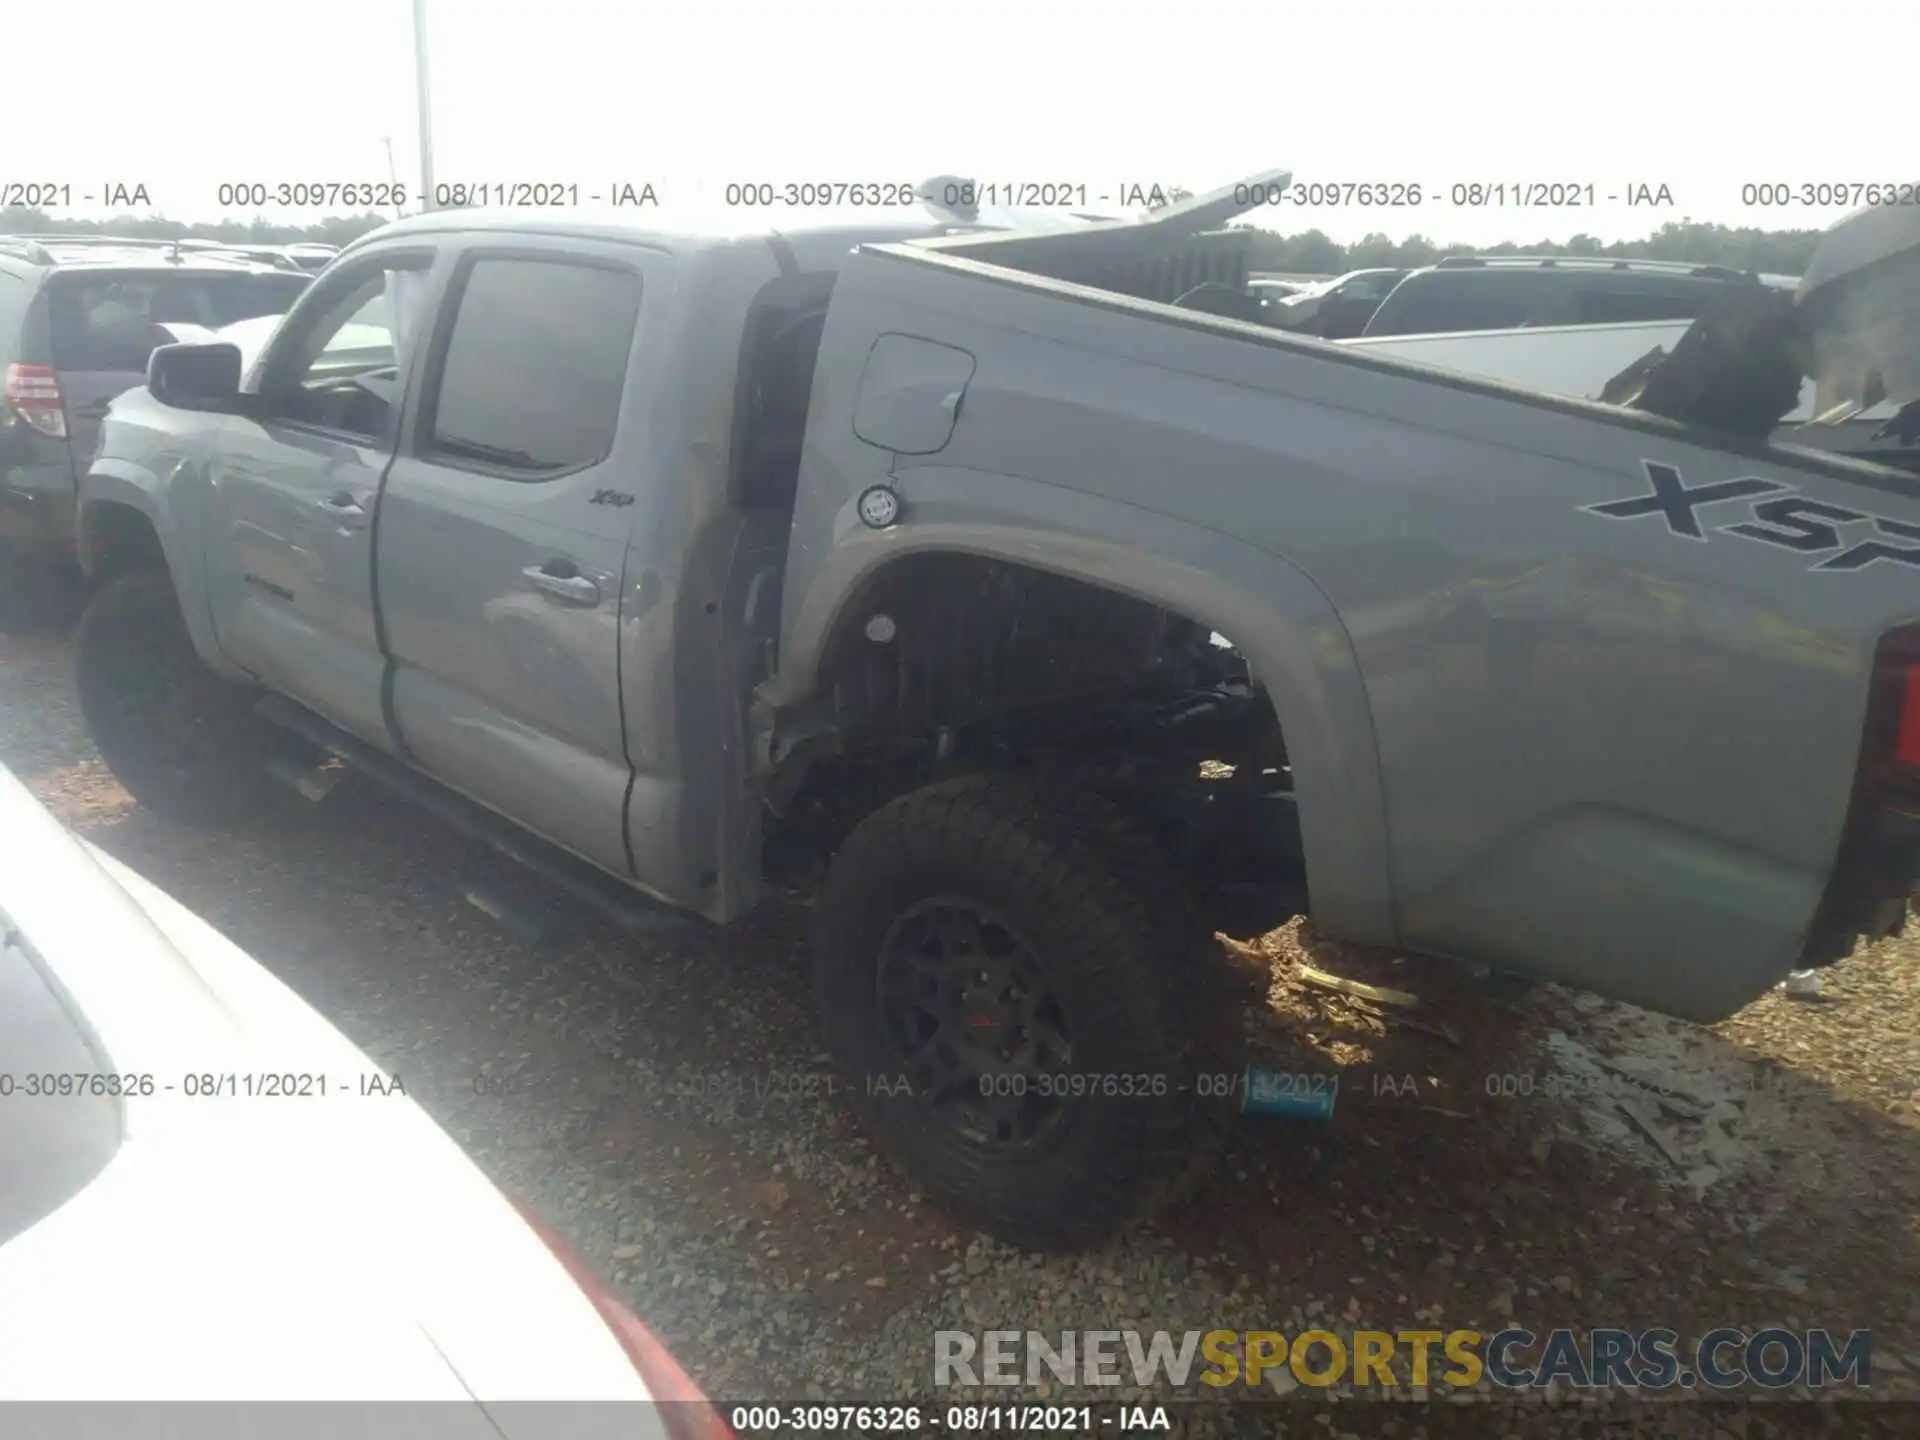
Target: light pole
{"points": [[424, 102], [393, 175]]}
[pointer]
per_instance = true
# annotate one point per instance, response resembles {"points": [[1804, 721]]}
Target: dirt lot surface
{"points": [[669, 1110]]}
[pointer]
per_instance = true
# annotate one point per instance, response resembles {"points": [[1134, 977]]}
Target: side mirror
{"points": [[196, 376]]}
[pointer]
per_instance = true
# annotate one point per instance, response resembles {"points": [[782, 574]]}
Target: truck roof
{"points": [[820, 235], [688, 230]]}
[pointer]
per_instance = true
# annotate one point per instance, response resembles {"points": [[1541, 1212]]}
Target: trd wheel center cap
{"points": [[989, 1015]]}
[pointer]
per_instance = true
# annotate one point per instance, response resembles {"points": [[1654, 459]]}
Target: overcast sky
{"points": [[1700, 97]]}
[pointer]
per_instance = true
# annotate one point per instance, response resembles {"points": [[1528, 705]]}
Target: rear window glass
{"points": [[109, 322], [51, 1145], [1446, 301], [1369, 287], [1619, 304]]}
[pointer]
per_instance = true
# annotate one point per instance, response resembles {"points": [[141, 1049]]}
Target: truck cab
{"points": [[580, 441]]}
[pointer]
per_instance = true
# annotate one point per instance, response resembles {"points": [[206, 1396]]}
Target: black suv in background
{"points": [[78, 317], [1471, 292]]}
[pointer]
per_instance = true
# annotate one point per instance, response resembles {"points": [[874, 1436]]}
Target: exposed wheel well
{"points": [[968, 636], [946, 663]]}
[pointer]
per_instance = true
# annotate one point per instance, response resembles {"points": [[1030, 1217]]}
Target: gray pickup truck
{"points": [[1031, 619]]}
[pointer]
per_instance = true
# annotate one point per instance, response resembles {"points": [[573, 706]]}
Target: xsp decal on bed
{"points": [[1788, 520]]}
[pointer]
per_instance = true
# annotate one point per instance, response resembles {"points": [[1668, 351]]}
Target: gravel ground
{"points": [[668, 1108]]}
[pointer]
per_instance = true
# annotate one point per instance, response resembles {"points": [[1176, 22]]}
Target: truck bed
{"points": [[1564, 686]]}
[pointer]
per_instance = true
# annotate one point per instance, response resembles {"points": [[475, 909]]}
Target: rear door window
{"points": [[535, 367], [111, 321]]}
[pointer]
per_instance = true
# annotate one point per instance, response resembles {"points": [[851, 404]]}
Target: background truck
{"points": [[1040, 618]]}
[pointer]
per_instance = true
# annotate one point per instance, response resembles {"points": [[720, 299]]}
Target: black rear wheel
{"points": [[186, 743], [1014, 990]]}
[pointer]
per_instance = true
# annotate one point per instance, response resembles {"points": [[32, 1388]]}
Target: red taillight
{"points": [[33, 393], [1906, 743], [685, 1411]]}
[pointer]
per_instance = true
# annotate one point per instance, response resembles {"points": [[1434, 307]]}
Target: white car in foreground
{"points": [[208, 1193]]}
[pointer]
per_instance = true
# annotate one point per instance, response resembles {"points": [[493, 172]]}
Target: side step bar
{"points": [[620, 903]]}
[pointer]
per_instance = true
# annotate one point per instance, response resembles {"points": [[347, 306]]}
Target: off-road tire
{"points": [[186, 743], [1108, 920]]}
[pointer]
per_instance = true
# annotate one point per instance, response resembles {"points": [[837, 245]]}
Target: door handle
{"points": [[571, 589], [344, 511]]}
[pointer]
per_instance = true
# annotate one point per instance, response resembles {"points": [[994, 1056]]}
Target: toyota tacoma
{"points": [[1023, 620]]}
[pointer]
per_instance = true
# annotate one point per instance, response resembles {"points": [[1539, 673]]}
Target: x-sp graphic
{"points": [[1788, 519]]}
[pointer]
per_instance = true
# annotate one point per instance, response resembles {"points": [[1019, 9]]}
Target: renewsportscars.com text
{"points": [[1514, 1358]]}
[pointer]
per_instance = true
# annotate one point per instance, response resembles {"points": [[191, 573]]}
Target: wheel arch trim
{"points": [[110, 482], [1295, 641]]}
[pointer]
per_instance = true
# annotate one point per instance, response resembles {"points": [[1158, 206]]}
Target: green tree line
{"points": [[1744, 248], [334, 230], [1781, 252]]}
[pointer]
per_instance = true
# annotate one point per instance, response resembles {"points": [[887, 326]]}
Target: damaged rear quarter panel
{"points": [[1521, 732]]}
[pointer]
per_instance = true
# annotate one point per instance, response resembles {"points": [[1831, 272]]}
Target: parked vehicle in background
{"points": [[274, 255], [1275, 289], [79, 315], [887, 560], [1339, 308], [1268, 297], [280, 1221], [1508, 292], [307, 255], [1581, 360], [364, 343], [311, 255], [1562, 359]]}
